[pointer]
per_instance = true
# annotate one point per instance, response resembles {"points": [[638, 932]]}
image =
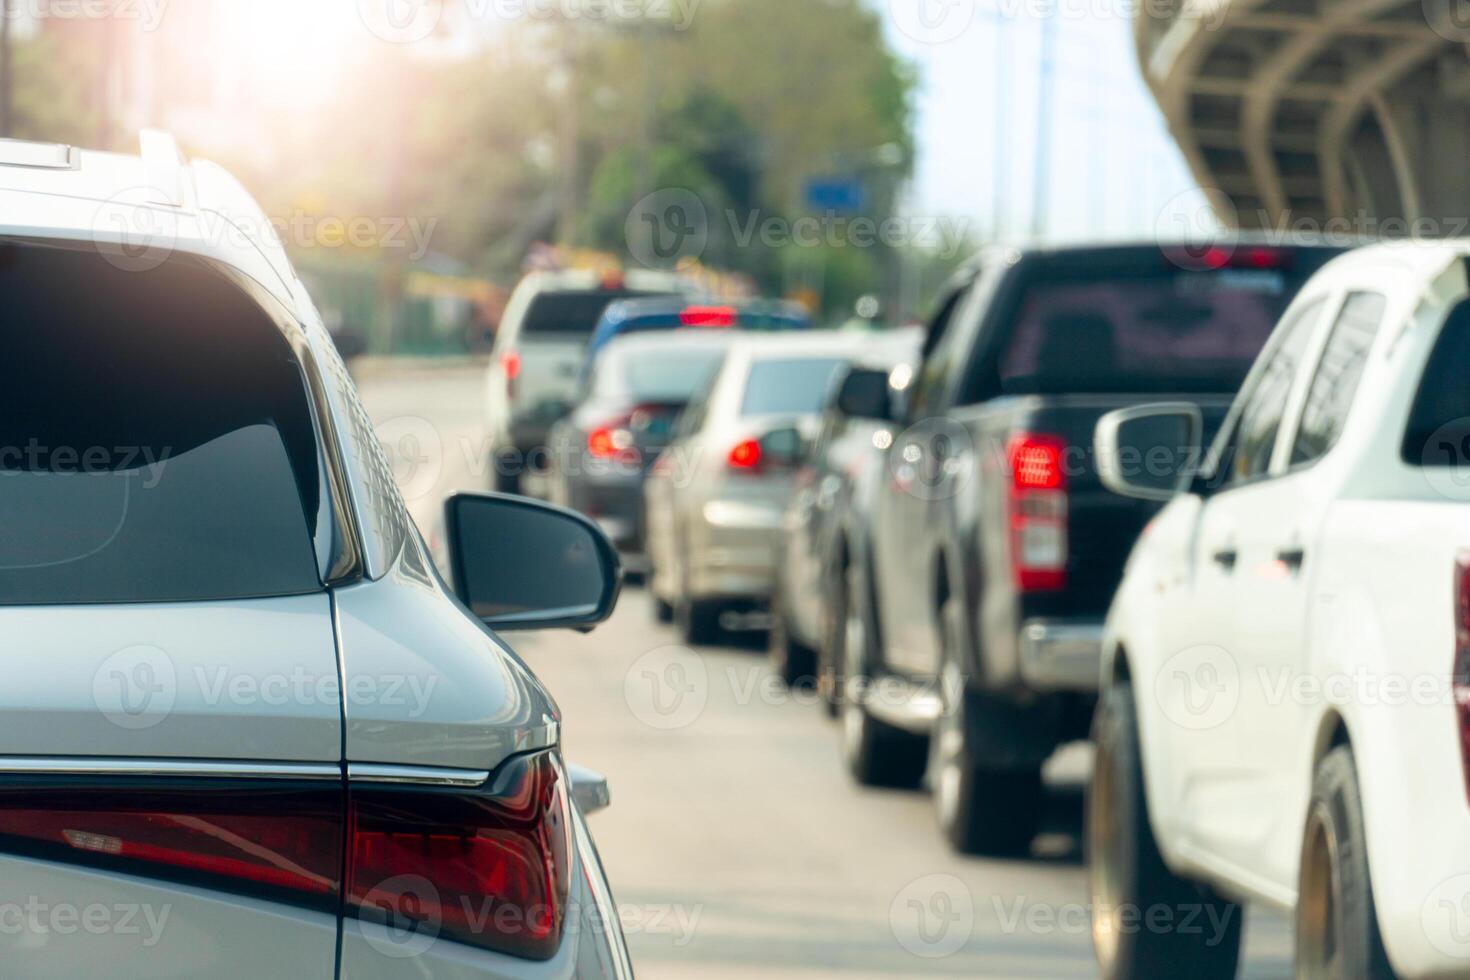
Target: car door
{"points": [[1204, 684], [905, 524], [171, 790], [1273, 589]]}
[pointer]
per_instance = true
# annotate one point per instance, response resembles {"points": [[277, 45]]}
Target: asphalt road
{"points": [[736, 844]]}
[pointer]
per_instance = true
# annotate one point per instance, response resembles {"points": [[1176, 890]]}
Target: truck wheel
{"points": [[877, 754], [982, 810], [1336, 919], [1130, 881], [792, 661]]}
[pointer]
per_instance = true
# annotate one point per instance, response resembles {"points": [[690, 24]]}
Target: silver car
{"points": [[246, 730], [714, 500]]}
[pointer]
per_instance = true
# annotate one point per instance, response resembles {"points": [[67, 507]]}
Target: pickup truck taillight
{"points": [[1038, 513], [487, 867], [1461, 676], [510, 366]]}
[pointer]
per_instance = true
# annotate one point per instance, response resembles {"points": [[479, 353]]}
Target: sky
{"points": [[1115, 171]]}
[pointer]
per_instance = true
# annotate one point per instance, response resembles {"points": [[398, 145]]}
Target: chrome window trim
{"points": [[416, 775], [169, 768]]}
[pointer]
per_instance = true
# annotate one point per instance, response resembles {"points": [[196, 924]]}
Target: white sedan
{"points": [[1285, 716]]}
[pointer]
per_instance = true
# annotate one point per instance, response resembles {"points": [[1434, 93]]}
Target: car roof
{"points": [[156, 202], [774, 346], [691, 338], [595, 280]]}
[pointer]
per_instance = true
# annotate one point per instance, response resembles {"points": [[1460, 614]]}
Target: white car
{"points": [[1285, 714], [245, 729], [537, 361], [716, 497]]}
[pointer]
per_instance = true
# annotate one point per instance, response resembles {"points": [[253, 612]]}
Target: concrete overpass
{"points": [[1315, 109]]}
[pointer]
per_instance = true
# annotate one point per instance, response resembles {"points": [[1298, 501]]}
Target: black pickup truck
{"points": [[972, 602]]}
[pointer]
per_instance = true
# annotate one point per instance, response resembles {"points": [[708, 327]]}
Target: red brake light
{"points": [[1036, 463], [490, 868], [1038, 513], [745, 455], [1266, 258], [510, 363], [708, 316], [1460, 677], [282, 843]]}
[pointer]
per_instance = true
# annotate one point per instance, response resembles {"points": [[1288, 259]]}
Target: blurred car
{"points": [[1285, 714], [714, 500], [821, 505], [249, 732], [664, 315], [538, 356], [977, 593], [602, 451]]}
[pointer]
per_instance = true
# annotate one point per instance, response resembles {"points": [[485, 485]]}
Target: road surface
{"points": [[736, 844]]}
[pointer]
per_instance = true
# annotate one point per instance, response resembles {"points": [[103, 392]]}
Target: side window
{"points": [[1247, 454], [939, 350], [1336, 382], [1439, 424]]}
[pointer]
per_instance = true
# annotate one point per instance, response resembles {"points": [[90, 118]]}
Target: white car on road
{"points": [[245, 728], [1285, 714]]}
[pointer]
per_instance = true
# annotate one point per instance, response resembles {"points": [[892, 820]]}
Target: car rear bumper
{"points": [[1061, 655], [735, 551]]}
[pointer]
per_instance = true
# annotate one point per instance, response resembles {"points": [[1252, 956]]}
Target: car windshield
{"points": [[795, 386], [572, 313], [1156, 331], [158, 446]]}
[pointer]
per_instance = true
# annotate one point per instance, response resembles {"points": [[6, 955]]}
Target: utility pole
{"points": [[7, 73], [1045, 101], [1001, 160]]}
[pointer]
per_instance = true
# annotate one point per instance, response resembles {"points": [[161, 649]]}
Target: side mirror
{"points": [[865, 395], [1150, 452], [784, 448], [520, 564]]}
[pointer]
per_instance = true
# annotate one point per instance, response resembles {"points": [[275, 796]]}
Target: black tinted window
{"points": [[156, 442], [1338, 374], [1254, 437], [1154, 329], [1439, 424], [571, 313], [795, 387]]}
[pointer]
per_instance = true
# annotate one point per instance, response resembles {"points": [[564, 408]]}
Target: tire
{"points": [[1337, 935], [1127, 872], [698, 621], [792, 661], [505, 475], [876, 754], [981, 810]]}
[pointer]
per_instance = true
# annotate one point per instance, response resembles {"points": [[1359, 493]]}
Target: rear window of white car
{"points": [[571, 314], [796, 386], [156, 439]]}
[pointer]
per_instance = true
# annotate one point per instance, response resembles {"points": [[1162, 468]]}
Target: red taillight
{"points": [[612, 440], [707, 316], [510, 366], [490, 869], [280, 843], [1038, 513], [1461, 676], [745, 455]]}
